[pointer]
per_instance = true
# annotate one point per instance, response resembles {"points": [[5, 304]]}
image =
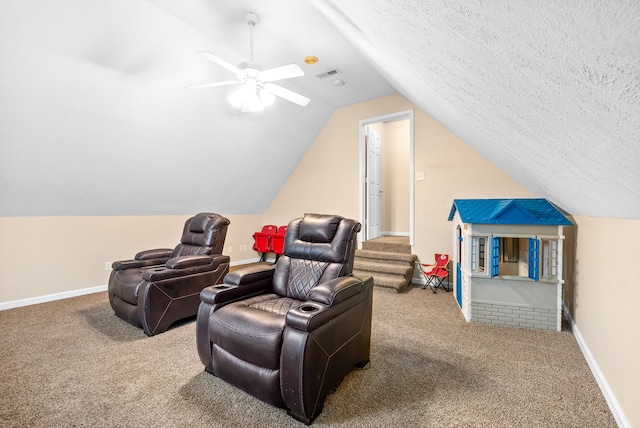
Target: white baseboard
{"points": [[51, 297], [388, 233], [610, 398], [81, 292], [245, 262]]}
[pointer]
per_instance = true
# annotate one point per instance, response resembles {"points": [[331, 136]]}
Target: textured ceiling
{"points": [[549, 91]]}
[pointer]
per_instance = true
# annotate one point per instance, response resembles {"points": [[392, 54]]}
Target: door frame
{"points": [[393, 117], [373, 182]]}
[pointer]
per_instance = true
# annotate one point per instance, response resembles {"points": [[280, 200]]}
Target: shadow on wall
{"points": [[570, 267]]}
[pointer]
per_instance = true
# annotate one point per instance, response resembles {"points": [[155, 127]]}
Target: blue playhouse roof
{"points": [[508, 211]]}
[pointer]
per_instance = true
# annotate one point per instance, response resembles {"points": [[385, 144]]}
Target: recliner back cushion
{"points": [[203, 233], [190, 250], [317, 248]]}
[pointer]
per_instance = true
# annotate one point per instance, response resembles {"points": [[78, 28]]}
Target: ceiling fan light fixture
{"points": [[238, 97], [258, 89], [266, 97], [251, 97]]}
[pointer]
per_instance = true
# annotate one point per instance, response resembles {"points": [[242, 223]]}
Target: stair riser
{"points": [[390, 264], [403, 271]]}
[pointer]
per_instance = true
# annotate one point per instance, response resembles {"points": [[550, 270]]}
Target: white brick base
{"points": [[514, 316]]}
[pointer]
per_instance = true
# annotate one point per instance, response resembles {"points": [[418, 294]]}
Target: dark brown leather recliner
{"points": [[288, 333], [161, 286]]}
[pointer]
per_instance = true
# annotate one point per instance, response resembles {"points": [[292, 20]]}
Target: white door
{"points": [[374, 168]]}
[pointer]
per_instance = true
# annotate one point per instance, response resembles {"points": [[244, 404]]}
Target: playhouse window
{"points": [[510, 250], [478, 253], [549, 256], [515, 257]]}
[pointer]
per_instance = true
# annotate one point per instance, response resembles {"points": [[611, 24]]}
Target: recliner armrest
{"points": [[343, 292], [335, 290], [182, 262], [241, 283], [157, 256], [250, 274], [226, 293], [131, 264], [156, 253], [191, 265]]}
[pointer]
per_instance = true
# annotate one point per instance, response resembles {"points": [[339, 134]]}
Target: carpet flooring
{"points": [[72, 363]]}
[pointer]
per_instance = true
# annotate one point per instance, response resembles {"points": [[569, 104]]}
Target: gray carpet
{"points": [[73, 363]]}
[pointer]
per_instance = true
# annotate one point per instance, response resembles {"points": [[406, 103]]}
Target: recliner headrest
{"points": [[199, 222], [320, 237], [319, 228], [203, 230]]}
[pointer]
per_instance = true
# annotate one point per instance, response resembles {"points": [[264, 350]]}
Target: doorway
{"points": [[386, 176]]}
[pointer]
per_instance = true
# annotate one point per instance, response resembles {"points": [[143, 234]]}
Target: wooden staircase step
{"points": [[376, 245], [388, 260], [404, 270], [386, 255], [390, 282]]}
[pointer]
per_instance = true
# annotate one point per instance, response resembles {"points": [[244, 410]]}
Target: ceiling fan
{"points": [[257, 89]]}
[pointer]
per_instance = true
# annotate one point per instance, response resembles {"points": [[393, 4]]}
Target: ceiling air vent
{"points": [[332, 72]]}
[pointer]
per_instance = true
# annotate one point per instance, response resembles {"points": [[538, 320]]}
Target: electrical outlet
{"points": [[243, 248], [107, 265], [419, 176], [230, 249]]}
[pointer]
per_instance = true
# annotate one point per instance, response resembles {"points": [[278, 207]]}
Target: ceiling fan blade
{"points": [[211, 85], [279, 73], [288, 95], [221, 62]]}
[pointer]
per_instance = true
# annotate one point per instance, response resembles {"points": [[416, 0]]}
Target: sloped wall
{"points": [[326, 179]]}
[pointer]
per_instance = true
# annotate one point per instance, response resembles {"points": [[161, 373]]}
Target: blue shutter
{"points": [[534, 259], [495, 256]]}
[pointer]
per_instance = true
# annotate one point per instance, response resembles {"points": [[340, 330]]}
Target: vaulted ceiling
{"points": [[95, 120], [549, 91]]}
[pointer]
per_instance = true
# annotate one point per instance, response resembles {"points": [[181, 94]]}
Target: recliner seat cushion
{"points": [[251, 329]]}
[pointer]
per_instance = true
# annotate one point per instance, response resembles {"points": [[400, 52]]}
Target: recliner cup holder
{"points": [[308, 308]]}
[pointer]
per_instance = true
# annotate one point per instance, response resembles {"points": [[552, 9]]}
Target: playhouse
{"points": [[507, 261]]}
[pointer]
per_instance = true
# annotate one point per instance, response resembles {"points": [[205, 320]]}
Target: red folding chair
{"points": [[435, 273], [262, 240], [277, 241]]}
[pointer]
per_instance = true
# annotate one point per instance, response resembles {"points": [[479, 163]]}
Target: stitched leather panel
{"points": [[275, 304], [303, 276]]}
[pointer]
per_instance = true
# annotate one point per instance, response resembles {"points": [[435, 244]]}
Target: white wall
{"points": [[52, 255], [605, 300], [326, 179], [95, 119], [395, 178]]}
